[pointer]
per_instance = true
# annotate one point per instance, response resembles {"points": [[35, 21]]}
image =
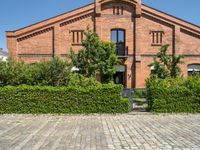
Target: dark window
{"points": [[157, 38], [119, 76], [77, 37], [118, 10], [194, 70], [118, 37]]}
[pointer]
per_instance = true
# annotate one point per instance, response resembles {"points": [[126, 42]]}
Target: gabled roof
{"points": [[90, 8], [53, 20], [170, 18]]}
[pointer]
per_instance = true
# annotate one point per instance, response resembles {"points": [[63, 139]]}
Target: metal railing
{"points": [[122, 52], [134, 95]]}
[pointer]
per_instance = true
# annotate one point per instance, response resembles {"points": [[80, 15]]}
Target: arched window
{"points": [[193, 69], [118, 37]]}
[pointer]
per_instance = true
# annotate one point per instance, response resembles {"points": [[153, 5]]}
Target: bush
{"points": [[52, 73], [45, 99], [12, 73], [140, 93], [78, 80], [174, 95]]}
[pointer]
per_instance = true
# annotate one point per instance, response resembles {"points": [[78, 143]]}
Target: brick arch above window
{"points": [[135, 4]]}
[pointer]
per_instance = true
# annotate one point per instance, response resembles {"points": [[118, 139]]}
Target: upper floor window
{"points": [[157, 38], [118, 37], [77, 37], [118, 10]]}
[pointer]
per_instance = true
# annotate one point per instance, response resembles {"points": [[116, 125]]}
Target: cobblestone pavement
{"points": [[100, 132]]}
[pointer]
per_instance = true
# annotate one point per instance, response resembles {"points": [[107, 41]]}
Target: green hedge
{"points": [[140, 93], [174, 95], [44, 99]]}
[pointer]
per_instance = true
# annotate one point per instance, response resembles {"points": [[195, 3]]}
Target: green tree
{"points": [[95, 58], [165, 65]]}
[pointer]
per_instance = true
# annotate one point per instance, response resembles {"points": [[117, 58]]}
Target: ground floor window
{"points": [[193, 69], [119, 76]]}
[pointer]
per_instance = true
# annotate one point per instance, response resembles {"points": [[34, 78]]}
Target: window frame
{"points": [[117, 38], [77, 37], [192, 69], [157, 38], [118, 10]]}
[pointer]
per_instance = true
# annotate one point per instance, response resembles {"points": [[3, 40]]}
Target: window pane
{"points": [[193, 70], [114, 36], [121, 36]]}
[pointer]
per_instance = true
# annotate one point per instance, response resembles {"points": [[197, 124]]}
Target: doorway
{"points": [[119, 76]]}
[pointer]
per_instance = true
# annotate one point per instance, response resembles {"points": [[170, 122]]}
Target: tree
{"points": [[165, 65], [95, 58]]}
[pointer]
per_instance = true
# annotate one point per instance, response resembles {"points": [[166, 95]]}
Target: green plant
{"points": [[13, 73], [174, 94], [78, 80], [165, 65], [54, 72], [44, 99], [96, 58], [140, 93]]}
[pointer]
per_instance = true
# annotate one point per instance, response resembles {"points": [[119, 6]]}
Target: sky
{"points": [[15, 14]]}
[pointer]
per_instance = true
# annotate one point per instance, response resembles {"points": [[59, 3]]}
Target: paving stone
{"points": [[100, 132]]}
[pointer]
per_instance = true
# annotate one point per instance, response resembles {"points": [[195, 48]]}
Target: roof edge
{"points": [[172, 16], [13, 31]]}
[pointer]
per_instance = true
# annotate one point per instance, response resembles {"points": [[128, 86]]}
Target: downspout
{"points": [[94, 28], [53, 42]]}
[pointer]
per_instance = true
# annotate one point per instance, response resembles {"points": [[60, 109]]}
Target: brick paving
{"points": [[100, 132]]}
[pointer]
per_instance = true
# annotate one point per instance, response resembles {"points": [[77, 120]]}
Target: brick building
{"points": [[138, 31]]}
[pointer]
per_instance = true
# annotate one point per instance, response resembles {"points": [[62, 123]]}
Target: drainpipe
{"points": [[53, 42], [94, 16]]}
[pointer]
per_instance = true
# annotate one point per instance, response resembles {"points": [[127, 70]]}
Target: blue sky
{"points": [[15, 14]]}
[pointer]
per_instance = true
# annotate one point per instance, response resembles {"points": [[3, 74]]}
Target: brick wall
{"points": [[54, 37]]}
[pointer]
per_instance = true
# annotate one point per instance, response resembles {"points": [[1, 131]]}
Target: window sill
{"points": [[76, 44], [156, 44]]}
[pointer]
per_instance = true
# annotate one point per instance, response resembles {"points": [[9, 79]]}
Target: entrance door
{"points": [[119, 77]]}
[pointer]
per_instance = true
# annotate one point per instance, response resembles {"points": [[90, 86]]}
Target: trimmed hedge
{"points": [[43, 99], [174, 95], [140, 93]]}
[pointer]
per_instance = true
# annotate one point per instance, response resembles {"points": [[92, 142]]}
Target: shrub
{"points": [[45, 99], [12, 73], [78, 80], [140, 93], [53, 73], [174, 95]]}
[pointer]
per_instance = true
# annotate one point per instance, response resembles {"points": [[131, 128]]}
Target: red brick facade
{"points": [[145, 28]]}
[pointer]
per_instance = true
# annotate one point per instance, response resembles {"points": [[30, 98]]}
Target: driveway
{"points": [[100, 132]]}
